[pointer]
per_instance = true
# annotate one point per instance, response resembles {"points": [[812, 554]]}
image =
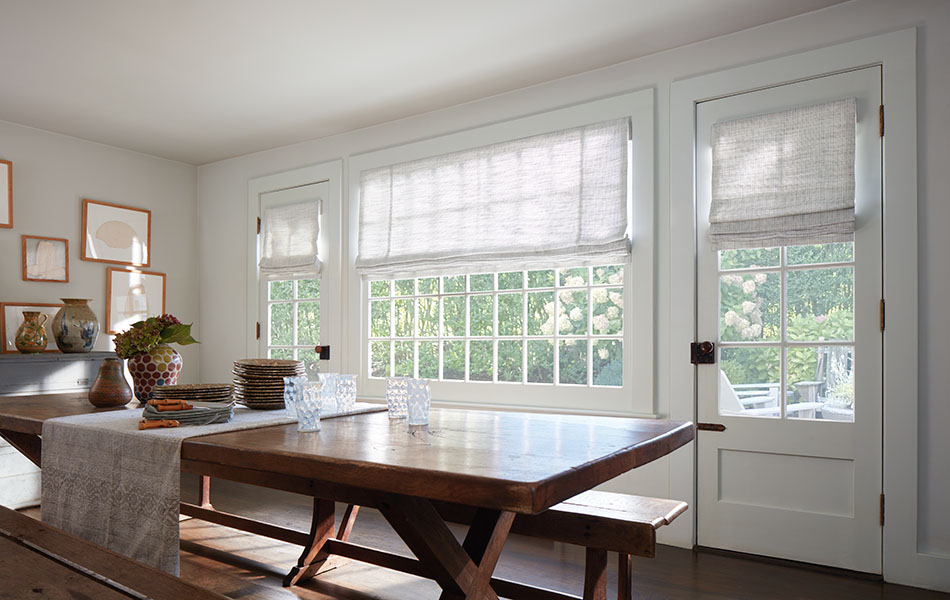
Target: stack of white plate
{"points": [[259, 382]]}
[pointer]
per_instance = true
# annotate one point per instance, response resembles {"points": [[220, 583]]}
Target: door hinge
{"points": [[258, 330], [881, 119], [882, 510], [702, 353], [882, 315], [258, 225]]}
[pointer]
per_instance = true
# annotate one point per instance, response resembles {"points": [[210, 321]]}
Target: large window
{"points": [[548, 326]]}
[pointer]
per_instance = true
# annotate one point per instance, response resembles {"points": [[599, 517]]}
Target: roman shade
{"points": [[541, 201], [785, 178], [289, 240]]}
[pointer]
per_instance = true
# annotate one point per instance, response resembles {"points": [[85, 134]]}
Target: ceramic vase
{"points": [[160, 366], [75, 327], [31, 335], [110, 387]]}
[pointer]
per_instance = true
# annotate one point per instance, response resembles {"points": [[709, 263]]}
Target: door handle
{"points": [[702, 353], [710, 427]]}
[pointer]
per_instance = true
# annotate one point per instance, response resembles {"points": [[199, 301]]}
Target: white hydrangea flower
{"points": [[756, 330], [600, 272], [549, 308], [613, 312], [747, 333], [742, 323], [570, 342], [730, 318], [603, 353], [599, 296], [547, 328], [761, 278], [576, 314], [566, 296], [574, 280], [735, 280], [748, 287], [601, 323], [564, 323], [615, 278], [748, 306], [616, 298]]}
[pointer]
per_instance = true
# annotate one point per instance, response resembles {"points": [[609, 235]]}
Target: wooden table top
{"points": [[25, 414]]}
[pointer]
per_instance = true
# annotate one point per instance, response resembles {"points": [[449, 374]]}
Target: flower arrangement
{"points": [[147, 335]]}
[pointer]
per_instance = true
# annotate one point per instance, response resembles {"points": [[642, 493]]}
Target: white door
{"points": [[796, 473]]}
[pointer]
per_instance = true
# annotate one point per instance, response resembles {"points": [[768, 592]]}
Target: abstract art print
{"points": [[116, 234], [132, 296], [45, 259], [11, 317], [6, 194]]}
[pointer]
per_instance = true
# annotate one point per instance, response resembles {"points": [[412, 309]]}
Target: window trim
{"points": [[631, 400]]}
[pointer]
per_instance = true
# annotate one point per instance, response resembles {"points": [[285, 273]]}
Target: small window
{"points": [[293, 318]]}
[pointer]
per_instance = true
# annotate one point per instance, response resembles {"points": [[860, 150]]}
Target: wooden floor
{"points": [[247, 567]]}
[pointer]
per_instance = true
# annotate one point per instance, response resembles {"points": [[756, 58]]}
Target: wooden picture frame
{"points": [[11, 316], [45, 258], [6, 194], [132, 295], [112, 233]]}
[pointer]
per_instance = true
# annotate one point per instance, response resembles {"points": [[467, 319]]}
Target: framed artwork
{"points": [[45, 258], [11, 317], [132, 296], [6, 194], [116, 234]]}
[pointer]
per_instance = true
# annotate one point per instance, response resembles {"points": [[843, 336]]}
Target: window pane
{"points": [[405, 319], [611, 274], [308, 288], [750, 307], [429, 360], [405, 287], [572, 312], [509, 314], [509, 360], [608, 311], [404, 360], [281, 324], [572, 361], [481, 283], [541, 279], [453, 316], [540, 361], [379, 319], [280, 290], [749, 381], [482, 315], [455, 283], [821, 383], [379, 359], [453, 360], [820, 253], [573, 277], [607, 362], [480, 360], [308, 323], [512, 280], [749, 258], [428, 285], [821, 304], [378, 289], [428, 317], [307, 355], [541, 313], [281, 353]]}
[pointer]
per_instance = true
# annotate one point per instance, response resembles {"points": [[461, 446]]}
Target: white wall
{"points": [[222, 191], [52, 174]]}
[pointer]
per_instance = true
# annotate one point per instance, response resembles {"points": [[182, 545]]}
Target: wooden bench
{"points": [[40, 561]]}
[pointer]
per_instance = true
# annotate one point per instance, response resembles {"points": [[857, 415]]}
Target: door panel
{"points": [[797, 384]]}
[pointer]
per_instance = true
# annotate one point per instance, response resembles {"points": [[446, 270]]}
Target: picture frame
{"points": [[132, 295], [11, 317], [6, 194], [45, 258], [112, 233]]}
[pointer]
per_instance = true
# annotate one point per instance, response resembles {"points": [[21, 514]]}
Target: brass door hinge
{"points": [[258, 330], [881, 119], [258, 225], [882, 314], [882, 510]]}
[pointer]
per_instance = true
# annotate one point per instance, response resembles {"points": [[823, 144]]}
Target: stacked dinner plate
{"points": [[195, 392], [259, 382]]}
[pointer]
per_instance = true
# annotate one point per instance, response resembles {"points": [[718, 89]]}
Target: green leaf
{"points": [[178, 334]]}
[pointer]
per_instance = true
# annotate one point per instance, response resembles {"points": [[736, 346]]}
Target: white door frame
{"points": [[896, 53]]}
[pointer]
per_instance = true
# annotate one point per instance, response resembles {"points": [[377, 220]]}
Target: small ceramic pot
{"points": [[75, 327], [160, 366], [110, 387], [31, 335]]}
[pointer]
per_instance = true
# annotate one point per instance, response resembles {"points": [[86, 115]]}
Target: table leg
{"points": [[425, 533], [625, 577], [313, 556], [204, 493], [595, 575]]}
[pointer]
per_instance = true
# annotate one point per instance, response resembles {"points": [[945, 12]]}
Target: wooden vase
{"points": [[110, 387]]}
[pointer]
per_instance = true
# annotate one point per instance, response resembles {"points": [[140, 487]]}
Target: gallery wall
{"points": [[52, 174]]}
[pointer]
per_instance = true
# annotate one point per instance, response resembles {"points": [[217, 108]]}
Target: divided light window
{"points": [[550, 326], [293, 318]]}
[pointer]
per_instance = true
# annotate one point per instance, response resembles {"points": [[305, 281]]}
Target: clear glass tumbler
{"points": [[419, 401], [345, 393], [308, 408], [397, 396], [293, 391]]}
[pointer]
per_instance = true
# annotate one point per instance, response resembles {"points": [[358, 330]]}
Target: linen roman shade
{"points": [[533, 202], [289, 240], [785, 178]]}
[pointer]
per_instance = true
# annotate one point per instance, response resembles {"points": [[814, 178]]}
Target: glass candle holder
{"points": [[345, 393], [293, 391], [418, 402], [397, 396], [308, 408]]}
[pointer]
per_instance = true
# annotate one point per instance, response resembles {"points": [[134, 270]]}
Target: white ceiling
{"points": [[203, 80]]}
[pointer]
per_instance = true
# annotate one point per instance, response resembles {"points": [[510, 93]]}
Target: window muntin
{"points": [[547, 326], [293, 318]]}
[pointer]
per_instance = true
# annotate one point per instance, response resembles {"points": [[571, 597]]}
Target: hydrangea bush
{"points": [[147, 335]]}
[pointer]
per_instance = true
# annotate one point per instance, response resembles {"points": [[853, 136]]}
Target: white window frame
{"points": [[635, 398], [328, 247]]}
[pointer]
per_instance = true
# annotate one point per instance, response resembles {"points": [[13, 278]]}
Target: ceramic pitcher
{"points": [[31, 335]]}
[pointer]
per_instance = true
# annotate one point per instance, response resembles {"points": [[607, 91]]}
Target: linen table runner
{"points": [[110, 483]]}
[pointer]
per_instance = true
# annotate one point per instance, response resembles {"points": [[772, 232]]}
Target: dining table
{"points": [[501, 463]]}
